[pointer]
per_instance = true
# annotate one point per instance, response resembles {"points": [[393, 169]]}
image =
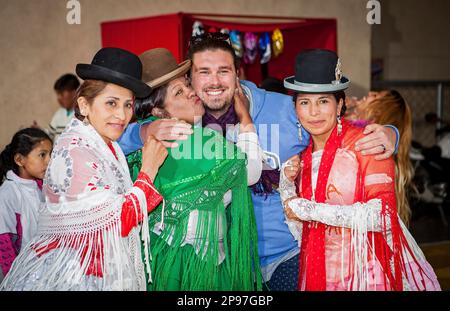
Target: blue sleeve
{"points": [[397, 134], [130, 140]]}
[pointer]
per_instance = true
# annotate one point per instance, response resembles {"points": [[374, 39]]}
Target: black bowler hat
{"points": [[116, 66], [317, 71]]}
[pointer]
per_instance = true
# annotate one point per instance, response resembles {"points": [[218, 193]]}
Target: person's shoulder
{"points": [[279, 98], [5, 187], [199, 137], [205, 132], [267, 104], [73, 142], [59, 112], [8, 196], [208, 137], [352, 135], [255, 90]]}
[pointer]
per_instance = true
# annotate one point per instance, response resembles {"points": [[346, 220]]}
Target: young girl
{"points": [[22, 167]]}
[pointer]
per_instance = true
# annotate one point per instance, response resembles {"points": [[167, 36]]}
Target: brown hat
{"points": [[160, 67]]}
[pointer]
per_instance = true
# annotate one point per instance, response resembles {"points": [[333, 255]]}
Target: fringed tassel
{"points": [[145, 229], [423, 276], [145, 234], [77, 252], [359, 251], [246, 274]]}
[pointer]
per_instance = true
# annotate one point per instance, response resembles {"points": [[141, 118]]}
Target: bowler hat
{"points": [[317, 71], [116, 66], [161, 67]]}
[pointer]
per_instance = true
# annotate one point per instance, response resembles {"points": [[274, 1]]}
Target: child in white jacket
{"points": [[22, 167]]}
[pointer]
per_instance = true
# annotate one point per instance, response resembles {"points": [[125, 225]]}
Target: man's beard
{"points": [[216, 105]]}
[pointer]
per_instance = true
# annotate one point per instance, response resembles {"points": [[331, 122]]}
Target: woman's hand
{"points": [[165, 130], [292, 167], [379, 140], [153, 155], [289, 213], [241, 106]]}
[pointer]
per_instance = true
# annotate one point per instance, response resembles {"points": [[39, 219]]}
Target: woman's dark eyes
{"points": [[113, 104]]}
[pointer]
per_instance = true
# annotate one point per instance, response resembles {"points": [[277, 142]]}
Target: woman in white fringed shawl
{"points": [[89, 227]]}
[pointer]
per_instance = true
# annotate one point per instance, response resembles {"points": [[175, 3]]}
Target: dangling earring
{"points": [[339, 125], [299, 125], [85, 120]]}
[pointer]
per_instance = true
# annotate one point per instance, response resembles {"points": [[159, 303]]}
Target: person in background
{"points": [[389, 107], [65, 88], [23, 163]]}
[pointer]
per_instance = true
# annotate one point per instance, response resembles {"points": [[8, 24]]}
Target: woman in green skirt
{"points": [[204, 233]]}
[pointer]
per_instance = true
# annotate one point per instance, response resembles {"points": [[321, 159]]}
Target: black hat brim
{"points": [[291, 84], [94, 72]]}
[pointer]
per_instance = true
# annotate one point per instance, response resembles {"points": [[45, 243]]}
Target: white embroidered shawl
{"points": [[84, 187]]}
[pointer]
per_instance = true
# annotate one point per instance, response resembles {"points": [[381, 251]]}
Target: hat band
{"points": [[317, 88], [180, 69]]}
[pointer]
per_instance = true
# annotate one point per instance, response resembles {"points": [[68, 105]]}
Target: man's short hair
{"points": [[211, 42], [67, 82]]}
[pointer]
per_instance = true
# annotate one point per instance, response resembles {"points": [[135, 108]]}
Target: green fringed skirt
{"points": [[181, 269]]}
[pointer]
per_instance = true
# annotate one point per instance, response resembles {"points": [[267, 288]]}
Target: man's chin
{"points": [[216, 105]]}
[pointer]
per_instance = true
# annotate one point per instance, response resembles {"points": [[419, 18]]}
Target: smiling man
{"points": [[214, 79]]}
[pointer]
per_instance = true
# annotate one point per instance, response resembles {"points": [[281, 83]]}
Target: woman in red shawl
{"points": [[341, 205]]}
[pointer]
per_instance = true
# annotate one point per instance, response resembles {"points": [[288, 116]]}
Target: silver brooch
{"points": [[338, 72]]}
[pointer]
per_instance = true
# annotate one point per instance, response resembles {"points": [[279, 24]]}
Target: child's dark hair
{"points": [[67, 82], [23, 143], [211, 42], [337, 95]]}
